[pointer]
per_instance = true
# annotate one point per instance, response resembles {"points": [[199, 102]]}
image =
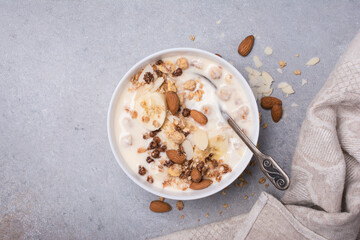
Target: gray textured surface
{"points": [[59, 64]]}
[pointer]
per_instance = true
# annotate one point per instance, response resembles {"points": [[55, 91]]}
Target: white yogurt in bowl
{"points": [[145, 131]]}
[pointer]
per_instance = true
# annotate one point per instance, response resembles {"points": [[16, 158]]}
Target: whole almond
{"points": [[159, 206], [175, 156], [195, 175], [199, 117], [173, 102], [200, 185], [276, 112], [269, 102], [246, 45]]}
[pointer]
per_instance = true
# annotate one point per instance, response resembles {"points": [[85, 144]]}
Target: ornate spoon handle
{"points": [[268, 165]]}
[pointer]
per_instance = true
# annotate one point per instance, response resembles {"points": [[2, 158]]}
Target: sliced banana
{"points": [[188, 149], [151, 109], [200, 139], [219, 145]]}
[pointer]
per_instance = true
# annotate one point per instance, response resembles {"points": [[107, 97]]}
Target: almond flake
{"points": [[303, 82], [252, 71], [268, 51], [286, 88], [257, 61], [313, 61], [297, 55], [267, 78], [218, 21], [294, 105], [279, 70]]}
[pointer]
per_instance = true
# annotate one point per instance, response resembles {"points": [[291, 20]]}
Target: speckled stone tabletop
{"points": [[60, 62]]}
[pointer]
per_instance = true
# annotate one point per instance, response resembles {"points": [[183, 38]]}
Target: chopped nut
{"points": [[177, 72], [220, 212], [223, 193], [180, 205], [134, 114], [252, 194], [207, 215], [248, 172], [150, 179], [141, 150], [190, 85], [182, 63], [297, 55], [148, 77], [198, 220], [282, 64], [265, 125], [262, 180], [186, 112], [142, 170], [297, 72], [226, 206], [246, 197], [182, 216], [145, 119], [192, 37], [161, 199], [149, 159]]}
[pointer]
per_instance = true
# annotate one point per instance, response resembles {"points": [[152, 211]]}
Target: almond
{"points": [[246, 45], [175, 156], [200, 185], [159, 206], [276, 112], [198, 117], [269, 102], [195, 175], [173, 102]]}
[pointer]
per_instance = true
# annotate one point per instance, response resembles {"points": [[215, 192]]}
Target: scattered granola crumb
{"points": [[246, 197], [180, 205], [207, 215], [252, 194], [220, 212], [161, 199], [282, 64], [141, 150], [268, 51], [257, 61], [303, 82], [279, 70], [265, 125], [223, 193], [297, 72], [199, 220], [313, 61], [252, 163], [192, 37], [294, 105], [262, 180], [226, 206], [218, 21], [182, 216], [297, 55], [266, 185]]}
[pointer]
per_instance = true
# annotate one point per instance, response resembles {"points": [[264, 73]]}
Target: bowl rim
{"points": [[199, 193]]}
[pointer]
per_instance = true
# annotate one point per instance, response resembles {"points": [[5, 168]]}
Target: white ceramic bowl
{"points": [[193, 194]]}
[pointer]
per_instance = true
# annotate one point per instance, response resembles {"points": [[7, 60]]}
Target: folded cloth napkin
{"points": [[323, 200]]}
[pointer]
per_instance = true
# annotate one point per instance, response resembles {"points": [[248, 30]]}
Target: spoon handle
{"points": [[268, 165]]}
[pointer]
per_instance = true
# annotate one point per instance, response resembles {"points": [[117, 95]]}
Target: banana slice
{"points": [[151, 109], [219, 145]]}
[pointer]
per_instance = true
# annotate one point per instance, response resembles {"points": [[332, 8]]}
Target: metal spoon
{"points": [[267, 164]]}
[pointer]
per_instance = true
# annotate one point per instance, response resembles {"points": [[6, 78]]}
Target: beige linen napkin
{"points": [[323, 201]]}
